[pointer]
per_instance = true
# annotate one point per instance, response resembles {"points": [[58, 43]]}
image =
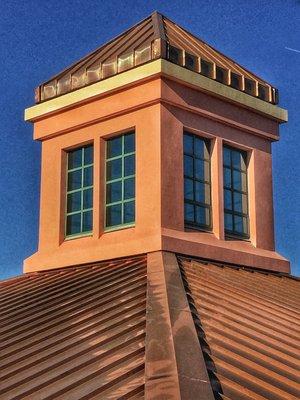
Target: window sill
{"points": [[193, 228], [78, 236], [237, 237], [118, 227]]}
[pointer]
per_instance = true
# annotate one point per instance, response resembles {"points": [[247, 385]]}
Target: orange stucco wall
{"points": [[158, 110]]}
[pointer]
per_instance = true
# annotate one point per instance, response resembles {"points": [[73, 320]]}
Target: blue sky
{"points": [[40, 38]]}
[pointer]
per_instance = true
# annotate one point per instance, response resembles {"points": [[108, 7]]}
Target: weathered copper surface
{"points": [[155, 37], [175, 368], [74, 333], [248, 324], [138, 328]]}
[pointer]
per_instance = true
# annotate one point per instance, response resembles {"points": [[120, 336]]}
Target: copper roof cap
{"points": [[155, 37]]}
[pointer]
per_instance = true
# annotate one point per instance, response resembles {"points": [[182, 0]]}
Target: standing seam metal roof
{"points": [[89, 332], [74, 333], [248, 325], [155, 37]]}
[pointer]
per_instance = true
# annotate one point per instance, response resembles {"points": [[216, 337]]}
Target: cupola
{"points": [[156, 142]]}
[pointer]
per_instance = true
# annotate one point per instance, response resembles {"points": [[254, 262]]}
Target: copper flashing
{"points": [[248, 324], [161, 375], [155, 37], [175, 368]]}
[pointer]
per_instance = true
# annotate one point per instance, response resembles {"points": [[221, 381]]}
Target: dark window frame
{"points": [[221, 75], [189, 224], [234, 234], [206, 68]]}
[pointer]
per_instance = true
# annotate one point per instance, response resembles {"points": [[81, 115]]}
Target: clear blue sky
{"points": [[40, 38]]}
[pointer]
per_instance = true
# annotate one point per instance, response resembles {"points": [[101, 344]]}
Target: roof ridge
{"points": [[158, 25]]}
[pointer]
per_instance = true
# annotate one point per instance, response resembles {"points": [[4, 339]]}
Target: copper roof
{"points": [[152, 327], [248, 323], [155, 37], [74, 333]]}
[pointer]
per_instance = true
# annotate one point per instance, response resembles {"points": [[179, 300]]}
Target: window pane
{"points": [[239, 181], [244, 182], [114, 147], [202, 192], [227, 177], [188, 143], [206, 171], [87, 198], [202, 215], [235, 178], [113, 192], [237, 201], [88, 155], [189, 212], [197, 180], [201, 148], [79, 198], [129, 212], [114, 215], [235, 80], [74, 180], [129, 188], [88, 176], [240, 203], [244, 204], [74, 202], [190, 61], [129, 143], [123, 189], [188, 166], [228, 222], [236, 159], [206, 68], [243, 162], [228, 199], [75, 159], [188, 189], [199, 192], [114, 169], [227, 156], [129, 165], [201, 170], [87, 222], [220, 74], [198, 147], [245, 226], [238, 224], [73, 224]]}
